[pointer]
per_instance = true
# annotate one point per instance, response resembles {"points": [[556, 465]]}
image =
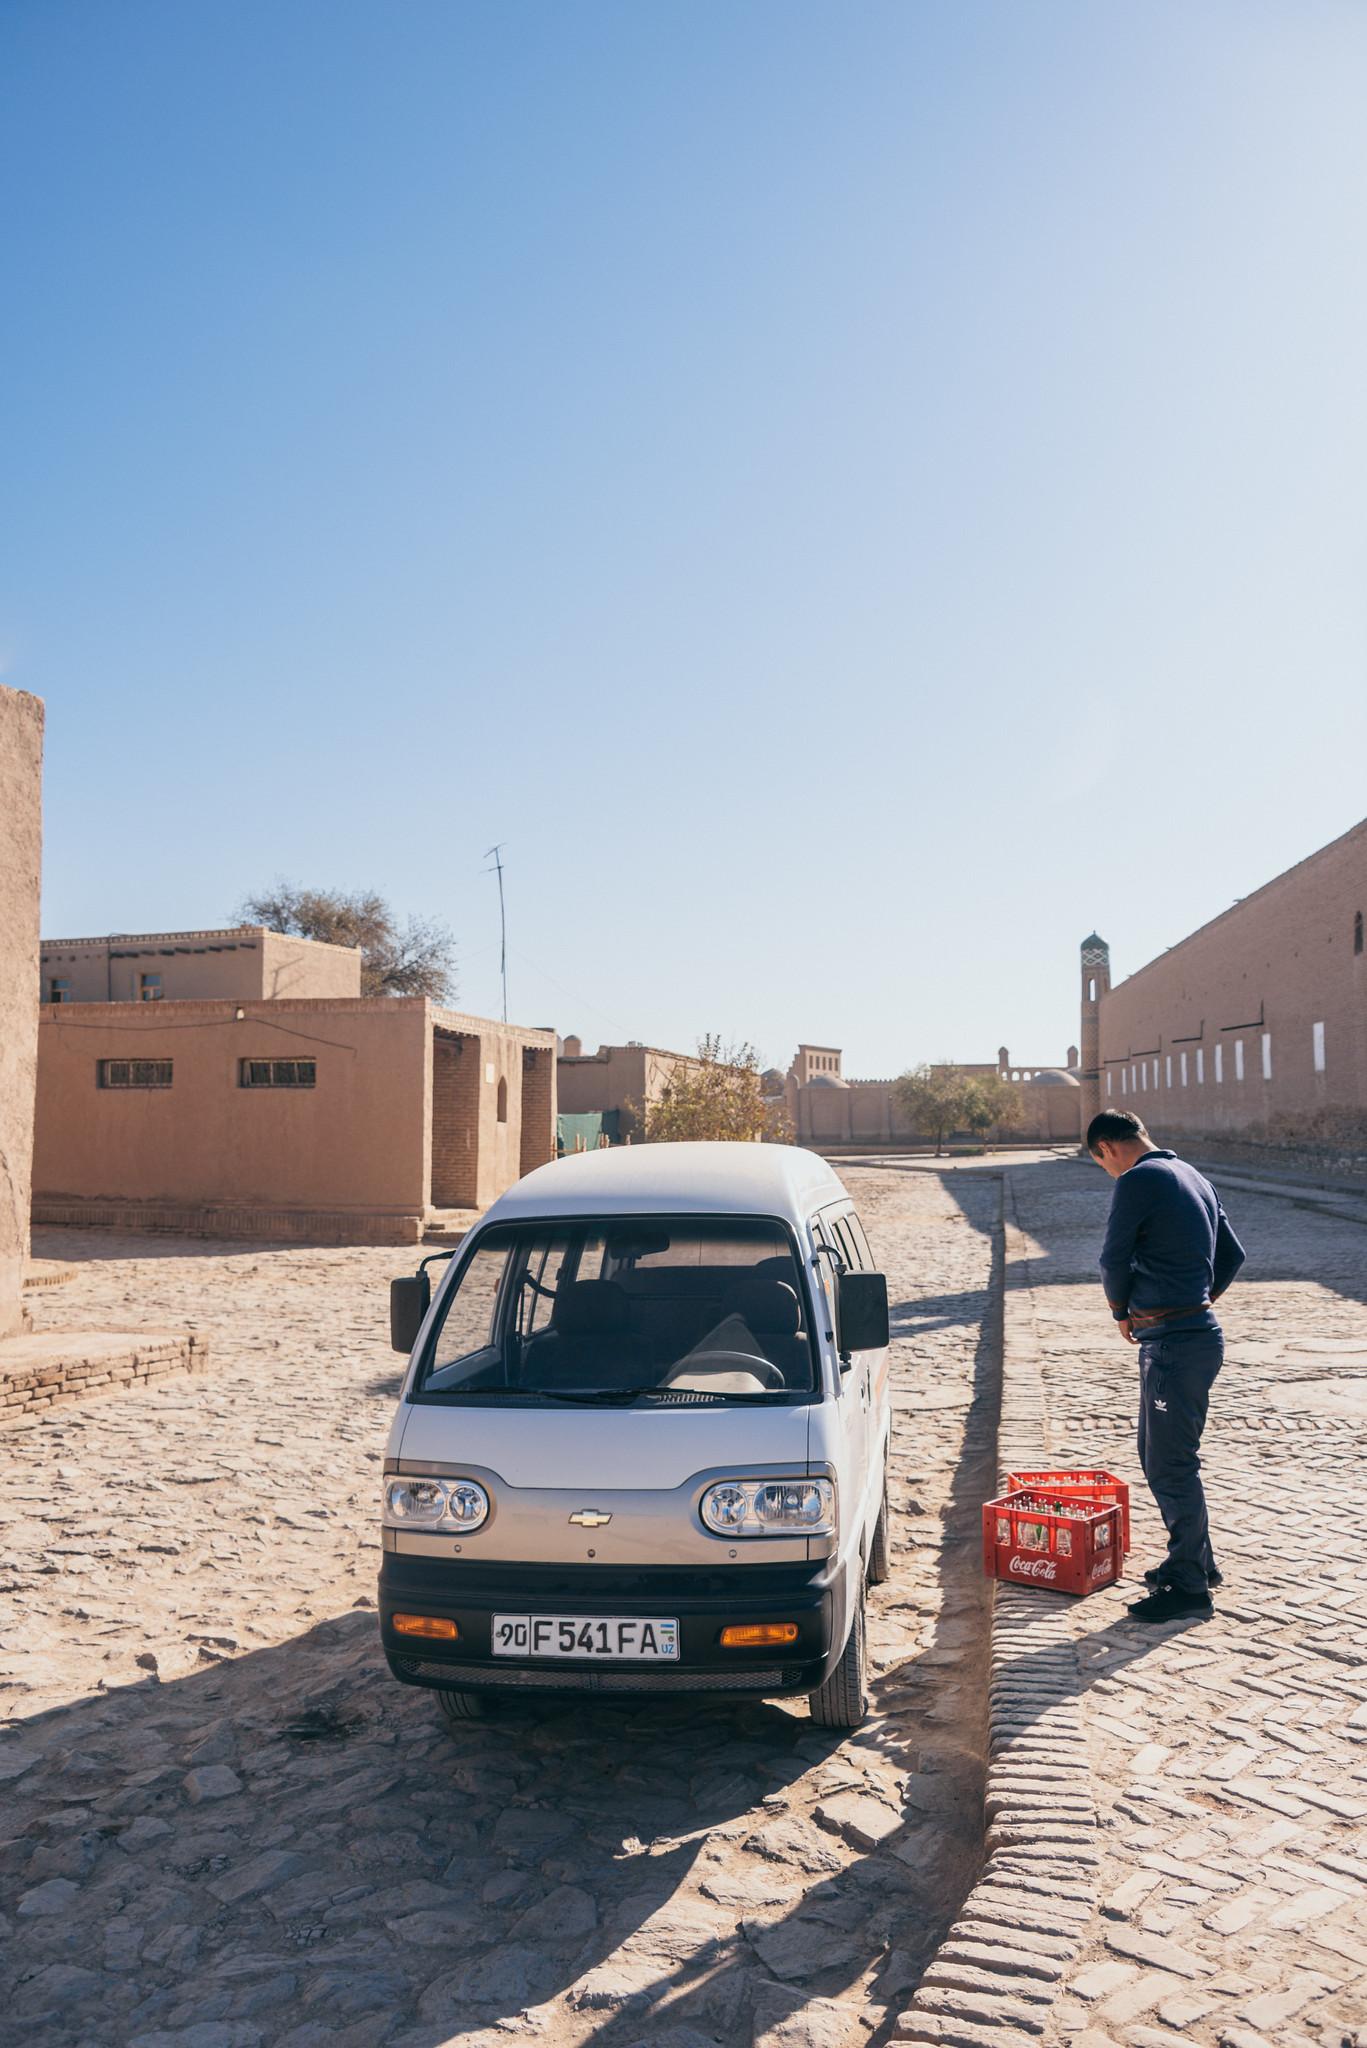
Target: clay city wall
{"points": [[1252, 1033], [868, 1113], [246, 962], [21, 770]]}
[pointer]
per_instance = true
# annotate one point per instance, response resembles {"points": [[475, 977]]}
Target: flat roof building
{"points": [[234, 1082], [247, 961]]}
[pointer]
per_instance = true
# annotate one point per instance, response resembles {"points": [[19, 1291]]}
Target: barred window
{"points": [[278, 1073], [134, 1073], [59, 989], [150, 989]]}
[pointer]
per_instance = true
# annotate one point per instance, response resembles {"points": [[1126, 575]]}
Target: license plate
{"points": [[599, 1638]]}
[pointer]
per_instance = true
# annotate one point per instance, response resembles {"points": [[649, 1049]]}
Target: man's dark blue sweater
{"points": [[1168, 1246]]}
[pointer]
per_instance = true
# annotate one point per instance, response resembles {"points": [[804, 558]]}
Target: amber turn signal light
{"points": [[425, 1625], [751, 1634]]}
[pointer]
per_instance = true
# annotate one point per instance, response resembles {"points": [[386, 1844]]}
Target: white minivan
{"points": [[642, 1443]]}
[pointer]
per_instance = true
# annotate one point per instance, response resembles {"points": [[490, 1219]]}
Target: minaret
{"points": [[1096, 980]]}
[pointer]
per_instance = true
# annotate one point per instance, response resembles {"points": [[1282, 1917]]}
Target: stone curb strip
{"points": [[1000, 1968], [59, 1368]]}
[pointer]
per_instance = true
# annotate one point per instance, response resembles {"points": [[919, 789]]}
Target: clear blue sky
{"points": [[854, 496]]}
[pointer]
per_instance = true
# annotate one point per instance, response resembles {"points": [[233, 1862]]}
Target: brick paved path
{"points": [[1228, 1760], [227, 1827]]}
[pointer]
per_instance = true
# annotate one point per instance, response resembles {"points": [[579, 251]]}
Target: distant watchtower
{"points": [[1096, 979]]}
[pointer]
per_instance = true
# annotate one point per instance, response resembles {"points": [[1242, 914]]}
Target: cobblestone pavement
{"points": [[227, 1827], [1228, 1758]]}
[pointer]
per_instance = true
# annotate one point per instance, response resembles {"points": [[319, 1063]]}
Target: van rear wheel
{"points": [[843, 1700], [462, 1706]]}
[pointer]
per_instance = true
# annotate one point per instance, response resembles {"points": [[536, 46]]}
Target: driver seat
{"points": [[590, 1342], [771, 1312]]}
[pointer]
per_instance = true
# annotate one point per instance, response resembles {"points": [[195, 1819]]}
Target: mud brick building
{"points": [[207, 1101], [615, 1085], [1251, 1034], [245, 961]]}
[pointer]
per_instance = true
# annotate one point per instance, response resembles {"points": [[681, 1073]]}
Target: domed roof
{"points": [[827, 1081], [1054, 1077]]}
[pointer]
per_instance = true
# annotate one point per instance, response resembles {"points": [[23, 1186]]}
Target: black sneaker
{"points": [[1154, 1577], [1168, 1604]]}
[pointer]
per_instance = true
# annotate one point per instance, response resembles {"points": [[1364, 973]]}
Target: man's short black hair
{"points": [[1114, 1127]]}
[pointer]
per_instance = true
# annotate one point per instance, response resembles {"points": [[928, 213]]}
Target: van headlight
{"points": [[434, 1504], [770, 1507]]}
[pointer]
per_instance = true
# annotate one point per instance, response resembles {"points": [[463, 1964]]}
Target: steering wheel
{"points": [[762, 1369]]}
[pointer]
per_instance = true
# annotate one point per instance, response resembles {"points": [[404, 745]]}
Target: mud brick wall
{"points": [[456, 1077], [21, 767], [538, 1107]]}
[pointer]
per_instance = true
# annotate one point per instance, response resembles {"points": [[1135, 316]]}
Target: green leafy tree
{"points": [[718, 1095], [417, 959]]}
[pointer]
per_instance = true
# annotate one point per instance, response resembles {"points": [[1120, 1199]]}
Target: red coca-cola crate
{"points": [[1078, 1485], [1066, 1546]]}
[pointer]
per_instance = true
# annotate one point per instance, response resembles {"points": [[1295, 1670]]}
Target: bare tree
{"points": [[717, 1095], [415, 960]]}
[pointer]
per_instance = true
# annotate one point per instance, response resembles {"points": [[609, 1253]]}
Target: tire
{"points": [[880, 1557], [843, 1700], [462, 1706]]}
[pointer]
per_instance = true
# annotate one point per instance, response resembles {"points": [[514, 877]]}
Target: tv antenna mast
{"points": [[495, 853]]}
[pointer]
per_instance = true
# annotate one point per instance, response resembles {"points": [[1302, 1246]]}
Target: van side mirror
{"points": [[861, 1312], [409, 1300]]}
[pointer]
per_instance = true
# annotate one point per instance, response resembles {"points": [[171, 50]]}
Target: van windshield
{"points": [[679, 1310]]}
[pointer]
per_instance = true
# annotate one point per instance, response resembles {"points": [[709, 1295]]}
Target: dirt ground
{"points": [[229, 1827]]}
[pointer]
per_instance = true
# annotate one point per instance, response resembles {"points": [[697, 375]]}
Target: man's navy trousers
{"points": [[1176, 1374]]}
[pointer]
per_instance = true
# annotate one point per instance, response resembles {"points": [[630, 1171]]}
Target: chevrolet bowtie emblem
{"points": [[589, 1518]]}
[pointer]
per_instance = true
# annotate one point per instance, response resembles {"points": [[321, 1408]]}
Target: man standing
{"points": [[1169, 1254]]}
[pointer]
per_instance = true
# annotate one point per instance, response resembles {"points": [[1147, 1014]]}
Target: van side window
{"points": [[856, 1230], [845, 1243], [825, 1270]]}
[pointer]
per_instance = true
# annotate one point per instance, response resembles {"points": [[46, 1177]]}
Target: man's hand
{"points": [[1123, 1325]]}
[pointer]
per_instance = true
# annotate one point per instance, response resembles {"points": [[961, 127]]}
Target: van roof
{"points": [[698, 1179]]}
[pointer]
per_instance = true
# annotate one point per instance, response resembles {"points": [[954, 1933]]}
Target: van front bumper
{"points": [[814, 1596]]}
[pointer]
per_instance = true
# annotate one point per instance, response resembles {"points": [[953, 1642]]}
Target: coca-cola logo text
{"points": [[1103, 1568], [1033, 1568]]}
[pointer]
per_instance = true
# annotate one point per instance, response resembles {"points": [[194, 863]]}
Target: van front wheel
{"points": [[462, 1706], [842, 1701]]}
